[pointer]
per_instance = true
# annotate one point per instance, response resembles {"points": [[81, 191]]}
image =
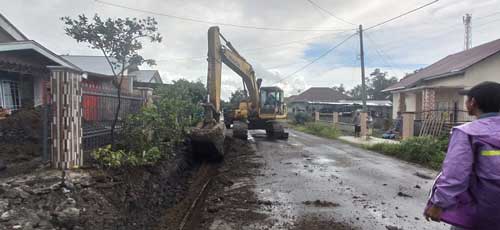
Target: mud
{"points": [[321, 203], [126, 198], [314, 183], [231, 202]]}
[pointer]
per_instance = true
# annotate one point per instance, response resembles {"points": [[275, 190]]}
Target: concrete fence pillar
{"points": [[335, 118], [408, 125], [66, 124], [364, 124], [316, 116]]}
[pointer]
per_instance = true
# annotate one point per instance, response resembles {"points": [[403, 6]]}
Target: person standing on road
{"points": [[466, 193], [357, 124]]}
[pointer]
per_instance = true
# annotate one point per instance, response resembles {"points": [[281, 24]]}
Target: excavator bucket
{"points": [[207, 138], [208, 142]]}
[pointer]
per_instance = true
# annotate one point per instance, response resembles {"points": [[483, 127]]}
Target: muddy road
{"points": [[311, 183]]}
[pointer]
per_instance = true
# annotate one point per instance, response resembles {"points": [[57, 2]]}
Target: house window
{"points": [[10, 96]]}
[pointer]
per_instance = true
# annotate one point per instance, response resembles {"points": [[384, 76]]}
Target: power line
{"points": [[487, 16], [391, 46], [260, 48], [401, 15], [330, 13], [380, 53], [316, 59], [215, 22]]}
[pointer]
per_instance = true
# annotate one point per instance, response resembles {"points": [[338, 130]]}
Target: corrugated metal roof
{"points": [[146, 76], [451, 65], [32, 45], [92, 64], [320, 94]]}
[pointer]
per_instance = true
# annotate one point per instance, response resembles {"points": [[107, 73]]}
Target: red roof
{"points": [[320, 94], [454, 64]]}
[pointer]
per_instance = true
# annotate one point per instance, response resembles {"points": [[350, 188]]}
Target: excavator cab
{"points": [[272, 101]]}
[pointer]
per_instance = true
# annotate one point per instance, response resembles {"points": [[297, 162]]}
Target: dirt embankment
{"points": [[134, 198], [20, 136]]}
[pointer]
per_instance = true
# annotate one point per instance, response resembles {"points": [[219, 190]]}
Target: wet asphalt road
{"points": [[364, 184]]}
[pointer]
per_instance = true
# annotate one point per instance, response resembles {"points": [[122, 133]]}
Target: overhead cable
{"points": [[196, 20], [329, 12], [401, 15], [316, 59]]}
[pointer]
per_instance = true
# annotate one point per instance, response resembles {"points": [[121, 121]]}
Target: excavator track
{"points": [[276, 130], [240, 130]]}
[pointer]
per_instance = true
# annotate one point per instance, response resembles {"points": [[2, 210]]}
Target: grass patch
{"points": [[427, 151], [318, 129]]}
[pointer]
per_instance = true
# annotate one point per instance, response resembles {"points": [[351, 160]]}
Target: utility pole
{"points": [[362, 57], [467, 19]]}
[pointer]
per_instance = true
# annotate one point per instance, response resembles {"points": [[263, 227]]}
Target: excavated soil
{"points": [[128, 198], [20, 136]]}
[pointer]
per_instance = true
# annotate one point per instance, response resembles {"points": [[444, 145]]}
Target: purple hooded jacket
{"points": [[468, 188]]}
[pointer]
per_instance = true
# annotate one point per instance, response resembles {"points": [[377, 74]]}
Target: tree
{"points": [[340, 89], [378, 83], [374, 86], [355, 92], [182, 89], [119, 40]]}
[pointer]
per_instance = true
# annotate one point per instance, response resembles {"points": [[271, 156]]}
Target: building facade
{"points": [[436, 88]]}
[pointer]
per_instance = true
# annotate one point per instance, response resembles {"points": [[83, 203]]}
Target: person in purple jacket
{"points": [[466, 193]]}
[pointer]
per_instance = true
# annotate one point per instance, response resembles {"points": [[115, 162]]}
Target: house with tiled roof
{"points": [[436, 87], [329, 100]]}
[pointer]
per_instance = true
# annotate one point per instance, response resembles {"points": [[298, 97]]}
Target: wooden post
{"points": [[408, 125], [316, 116], [364, 125], [67, 118]]}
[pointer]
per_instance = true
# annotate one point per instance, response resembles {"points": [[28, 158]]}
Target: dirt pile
{"points": [[20, 136], [133, 198]]}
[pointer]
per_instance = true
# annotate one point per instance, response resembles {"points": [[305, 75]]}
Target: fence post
{"points": [[316, 116], [146, 94], [408, 125], [67, 118], [45, 133], [364, 125], [335, 120]]}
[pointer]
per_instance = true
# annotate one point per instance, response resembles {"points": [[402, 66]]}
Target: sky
{"points": [[398, 47]]}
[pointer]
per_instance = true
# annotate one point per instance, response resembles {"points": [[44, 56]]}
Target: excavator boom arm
{"points": [[218, 54]]}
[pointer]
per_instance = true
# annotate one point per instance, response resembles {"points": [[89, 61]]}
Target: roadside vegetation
{"points": [[154, 133], [303, 122], [427, 151], [318, 129]]}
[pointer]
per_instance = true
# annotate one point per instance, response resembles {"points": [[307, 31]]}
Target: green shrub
{"points": [[152, 134], [117, 158], [428, 151], [302, 117], [389, 149], [319, 129]]}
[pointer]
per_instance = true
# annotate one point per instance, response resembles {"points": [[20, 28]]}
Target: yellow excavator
{"points": [[263, 109]]}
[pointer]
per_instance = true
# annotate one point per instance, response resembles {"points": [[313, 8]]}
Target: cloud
{"points": [[398, 47]]}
